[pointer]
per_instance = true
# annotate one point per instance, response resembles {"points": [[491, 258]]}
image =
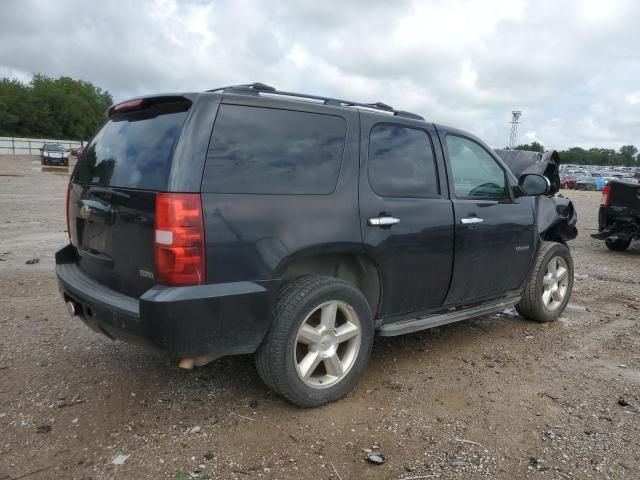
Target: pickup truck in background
{"points": [[619, 215]]}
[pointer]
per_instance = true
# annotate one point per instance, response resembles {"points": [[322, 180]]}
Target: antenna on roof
{"points": [[255, 86], [263, 87]]}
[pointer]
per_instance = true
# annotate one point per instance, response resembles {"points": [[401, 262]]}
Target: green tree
{"points": [[531, 147], [628, 155], [12, 92], [51, 108]]}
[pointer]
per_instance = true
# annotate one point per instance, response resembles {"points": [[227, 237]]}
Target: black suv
{"points": [[53, 153], [249, 220]]}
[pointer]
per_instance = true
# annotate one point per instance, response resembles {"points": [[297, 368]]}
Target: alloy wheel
{"points": [[555, 283], [327, 344]]}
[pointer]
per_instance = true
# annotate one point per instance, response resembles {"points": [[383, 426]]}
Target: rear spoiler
{"points": [[168, 103]]}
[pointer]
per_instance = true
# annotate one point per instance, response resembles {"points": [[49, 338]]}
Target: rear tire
{"points": [[617, 245], [547, 292], [319, 341]]}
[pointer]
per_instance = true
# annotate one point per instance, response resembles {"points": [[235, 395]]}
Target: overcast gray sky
{"points": [[573, 67]]}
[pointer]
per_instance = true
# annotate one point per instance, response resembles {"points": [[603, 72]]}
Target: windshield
{"points": [[54, 148]]}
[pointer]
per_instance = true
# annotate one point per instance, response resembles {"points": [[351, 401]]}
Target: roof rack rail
{"points": [[258, 88]]}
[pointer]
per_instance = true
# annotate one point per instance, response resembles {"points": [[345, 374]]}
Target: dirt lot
{"points": [[496, 397]]}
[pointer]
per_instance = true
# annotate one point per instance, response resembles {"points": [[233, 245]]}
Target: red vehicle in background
{"points": [[77, 151], [568, 182]]}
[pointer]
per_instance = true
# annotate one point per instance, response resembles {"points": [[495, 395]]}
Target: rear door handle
{"points": [[382, 221], [471, 220]]}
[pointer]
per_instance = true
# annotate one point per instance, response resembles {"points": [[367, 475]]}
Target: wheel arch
{"points": [[356, 268]]}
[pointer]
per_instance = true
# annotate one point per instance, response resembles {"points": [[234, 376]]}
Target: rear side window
{"points": [[269, 151], [134, 150], [401, 162]]}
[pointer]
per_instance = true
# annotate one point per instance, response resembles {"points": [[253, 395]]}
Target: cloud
{"points": [[572, 67]]}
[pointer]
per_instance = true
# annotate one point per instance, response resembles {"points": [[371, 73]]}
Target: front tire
{"points": [[617, 244], [319, 342], [546, 294]]}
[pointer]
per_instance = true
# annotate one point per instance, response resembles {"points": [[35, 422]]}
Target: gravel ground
{"points": [[494, 397]]}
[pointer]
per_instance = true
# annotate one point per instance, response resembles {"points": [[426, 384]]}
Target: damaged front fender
{"points": [[556, 218]]}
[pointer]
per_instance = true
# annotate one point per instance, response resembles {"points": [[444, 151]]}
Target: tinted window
{"points": [[133, 151], [261, 150], [401, 162], [476, 174]]}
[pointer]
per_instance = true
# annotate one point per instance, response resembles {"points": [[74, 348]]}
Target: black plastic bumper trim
{"points": [[213, 320], [84, 288]]}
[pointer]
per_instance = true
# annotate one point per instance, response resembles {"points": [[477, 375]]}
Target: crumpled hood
{"points": [[547, 164]]}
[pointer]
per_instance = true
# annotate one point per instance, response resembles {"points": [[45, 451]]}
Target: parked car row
{"points": [[595, 177]]}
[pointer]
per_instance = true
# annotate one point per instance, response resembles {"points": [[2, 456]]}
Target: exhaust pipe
{"points": [[72, 309], [189, 363], [186, 363]]}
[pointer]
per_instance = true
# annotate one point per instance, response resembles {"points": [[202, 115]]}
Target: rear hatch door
{"points": [[113, 191]]}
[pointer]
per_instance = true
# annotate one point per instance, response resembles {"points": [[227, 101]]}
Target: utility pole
{"points": [[515, 117]]}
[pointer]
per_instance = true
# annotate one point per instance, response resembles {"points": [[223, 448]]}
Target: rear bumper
{"points": [[203, 320], [616, 222]]}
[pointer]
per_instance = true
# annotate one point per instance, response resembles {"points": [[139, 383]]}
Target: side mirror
{"points": [[532, 184]]}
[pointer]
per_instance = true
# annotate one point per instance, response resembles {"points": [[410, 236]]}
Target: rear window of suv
{"points": [[270, 151], [134, 150]]}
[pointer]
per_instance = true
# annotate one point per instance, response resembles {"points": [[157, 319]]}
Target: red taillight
{"points": [[67, 205], [179, 239], [129, 105], [604, 201]]}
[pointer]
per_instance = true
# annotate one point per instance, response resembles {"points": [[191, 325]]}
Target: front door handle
{"points": [[382, 221], [471, 220]]}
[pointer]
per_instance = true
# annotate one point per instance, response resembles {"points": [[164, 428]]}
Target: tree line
{"points": [[627, 155], [51, 108]]}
